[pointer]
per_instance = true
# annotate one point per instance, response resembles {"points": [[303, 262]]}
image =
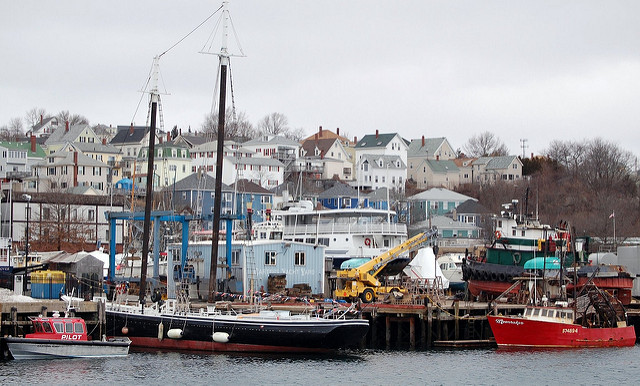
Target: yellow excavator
{"points": [[362, 281]]}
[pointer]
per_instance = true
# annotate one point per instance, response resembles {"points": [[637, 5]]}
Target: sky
{"points": [[523, 70]]}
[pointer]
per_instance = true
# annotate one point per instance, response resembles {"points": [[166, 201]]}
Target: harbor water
{"points": [[617, 366]]}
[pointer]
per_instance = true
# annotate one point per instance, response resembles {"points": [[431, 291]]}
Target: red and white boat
{"points": [[595, 320], [63, 337]]}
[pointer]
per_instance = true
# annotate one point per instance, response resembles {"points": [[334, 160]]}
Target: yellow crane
{"points": [[363, 282]]}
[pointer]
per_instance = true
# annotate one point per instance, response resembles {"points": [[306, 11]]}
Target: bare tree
{"points": [[237, 126], [34, 116], [16, 129], [607, 167], [295, 134], [73, 119], [4, 133], [274, 124], [569, 154], [485, 144]]}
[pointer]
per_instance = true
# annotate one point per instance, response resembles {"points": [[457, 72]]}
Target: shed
{"points": [[83, 272]]}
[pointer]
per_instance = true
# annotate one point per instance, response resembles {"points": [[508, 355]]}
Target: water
{"points": [[617, 366]]}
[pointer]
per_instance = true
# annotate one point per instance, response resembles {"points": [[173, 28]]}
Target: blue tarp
{"points": [[125, 183]]}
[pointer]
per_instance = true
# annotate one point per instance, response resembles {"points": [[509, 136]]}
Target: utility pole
{"points": [[524, 146]]}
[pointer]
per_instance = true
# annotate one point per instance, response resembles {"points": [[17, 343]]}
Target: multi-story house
{"points": [[44, 128], [487, 170], [431, 173], [327, 155], [67, 169], [130, 140], [368, 162], [70, 134], [426, 149], [381, 171], [18, 158], [276, 147], [171, 163]]}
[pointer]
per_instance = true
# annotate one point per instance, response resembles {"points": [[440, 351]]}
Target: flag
{"points": [[612, 215]]}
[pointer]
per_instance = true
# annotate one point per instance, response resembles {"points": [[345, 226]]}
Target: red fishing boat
{"points": [[63, 337], [596, 319]]}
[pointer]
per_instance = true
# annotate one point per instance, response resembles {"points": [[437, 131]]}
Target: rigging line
{"points": [[236, 35], [211, 39], [141, 96], [233, 99], [192, 31]]}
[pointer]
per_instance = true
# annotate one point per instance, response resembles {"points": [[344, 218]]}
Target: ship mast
{"points": [[155, 96], [217, 203]]}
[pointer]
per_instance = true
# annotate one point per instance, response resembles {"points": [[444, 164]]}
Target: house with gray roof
{"points": [[67, 169], [44, 128], [339, 196], [381, 171], [431, 173], [82, 133], [487, 170], [435, 201], [326, 157], [274, 146]]}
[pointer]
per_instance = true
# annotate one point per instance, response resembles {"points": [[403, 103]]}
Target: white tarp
{"points": [[423, 266]]}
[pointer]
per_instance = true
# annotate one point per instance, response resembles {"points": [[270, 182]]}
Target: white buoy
{"points": [[220, 337], [174, 333], [160, 331]]}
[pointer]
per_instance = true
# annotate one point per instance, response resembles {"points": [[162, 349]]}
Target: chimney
{"points": [[66, 126], [131, 129], [168, 136], [75, 168], [337, 131], [322, 154], [376, 133], [160, 139], [438, 157], [531, 155], [41, 119], [33, 143], [320, 131], [423, 141], [180, 131], [355, 139]]}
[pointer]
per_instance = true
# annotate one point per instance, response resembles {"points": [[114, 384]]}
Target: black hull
{"points": [[244, 334]]}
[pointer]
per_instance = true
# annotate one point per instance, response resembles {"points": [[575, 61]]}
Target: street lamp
{"points": [[26, 246]]}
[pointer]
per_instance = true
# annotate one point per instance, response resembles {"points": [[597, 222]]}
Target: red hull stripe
{"points": [[193, 345]]}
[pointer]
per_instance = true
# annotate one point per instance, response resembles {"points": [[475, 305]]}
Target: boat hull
{"points": [[245, 333], [28, 348], [520, 332]]}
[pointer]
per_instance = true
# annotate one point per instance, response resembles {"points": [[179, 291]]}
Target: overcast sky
{"points": [[535, 70]]}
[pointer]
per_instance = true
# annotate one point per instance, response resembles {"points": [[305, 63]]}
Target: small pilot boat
{"points": [[63, 337]]}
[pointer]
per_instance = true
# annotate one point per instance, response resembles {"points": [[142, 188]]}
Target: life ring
{"points": [[367, 242], [498, 235]]}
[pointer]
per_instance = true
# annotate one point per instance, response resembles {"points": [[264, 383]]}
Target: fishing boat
{"points": [[519, 238], [595, 319], [63, 337]]}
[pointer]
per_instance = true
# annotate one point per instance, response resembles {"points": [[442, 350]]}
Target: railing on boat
{"points": [[333, 228]]}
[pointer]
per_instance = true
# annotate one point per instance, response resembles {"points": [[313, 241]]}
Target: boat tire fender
{"points": [[367, 242]]}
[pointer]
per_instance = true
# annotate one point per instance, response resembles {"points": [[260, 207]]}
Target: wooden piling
{"points": [[456, 309], [412, 333], [388, 332]]}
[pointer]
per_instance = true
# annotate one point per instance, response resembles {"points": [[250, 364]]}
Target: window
{"points": [[78, 328], [270, 258], [68, 327], [235, 257], [91, 214], [300, 258]]}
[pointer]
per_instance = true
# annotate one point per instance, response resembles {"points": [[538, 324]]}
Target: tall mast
{"points": [[217, 203], [155, 96]]}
